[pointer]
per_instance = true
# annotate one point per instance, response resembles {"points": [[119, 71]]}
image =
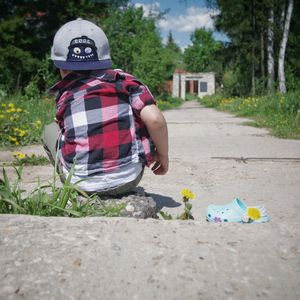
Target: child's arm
{"points": [[157, 128]]}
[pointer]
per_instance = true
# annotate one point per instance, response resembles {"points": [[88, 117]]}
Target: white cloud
{"points": [[149, 9], [195, 17]]}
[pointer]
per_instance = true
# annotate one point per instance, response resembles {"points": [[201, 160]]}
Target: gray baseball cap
{"points": [[80, 45]]}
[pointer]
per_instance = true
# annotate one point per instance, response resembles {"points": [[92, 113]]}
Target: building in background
{"points": [[199, 84]]}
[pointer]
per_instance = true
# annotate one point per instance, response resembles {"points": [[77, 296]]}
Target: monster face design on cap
{"points": [[82, 49]]}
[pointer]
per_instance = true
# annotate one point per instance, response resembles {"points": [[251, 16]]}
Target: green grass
{"points": [[165, 102], [22, 120], [50, 200], [189, 97], [279, 113], [22, 159]]}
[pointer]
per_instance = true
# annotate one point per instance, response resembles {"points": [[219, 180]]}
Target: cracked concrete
{"points": [[121, 258]]}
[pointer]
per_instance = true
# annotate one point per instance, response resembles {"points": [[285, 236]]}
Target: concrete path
{"points": [[219, 159]]}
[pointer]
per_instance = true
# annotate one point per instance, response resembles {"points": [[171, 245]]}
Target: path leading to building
{"points": [[216, 157]]}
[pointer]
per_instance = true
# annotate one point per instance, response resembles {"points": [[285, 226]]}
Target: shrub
{"points": [[165, 101], [212, 101]]}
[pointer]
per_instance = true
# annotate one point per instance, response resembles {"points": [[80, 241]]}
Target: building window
{"points": [[203, 87]]}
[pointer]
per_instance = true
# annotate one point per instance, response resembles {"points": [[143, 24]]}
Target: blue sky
{"points": [[182, 19]]}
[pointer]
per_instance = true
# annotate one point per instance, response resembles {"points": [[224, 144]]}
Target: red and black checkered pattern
{"points": [[99, 117]]}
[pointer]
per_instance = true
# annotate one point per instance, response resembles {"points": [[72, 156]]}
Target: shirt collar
{"points": [[106, 75], [65, 82]]}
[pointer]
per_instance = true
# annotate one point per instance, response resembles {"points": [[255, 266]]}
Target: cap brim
{"points": [[80, 65]]}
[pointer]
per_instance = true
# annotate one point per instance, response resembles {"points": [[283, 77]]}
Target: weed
{"points": [[187, 213], [22, 159], [61, 201]]}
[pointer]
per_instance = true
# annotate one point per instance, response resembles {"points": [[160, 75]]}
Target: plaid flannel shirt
{"points": [[99, 118]]}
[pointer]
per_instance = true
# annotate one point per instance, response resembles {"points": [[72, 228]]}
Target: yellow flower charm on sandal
{"points": [[253, 213]]}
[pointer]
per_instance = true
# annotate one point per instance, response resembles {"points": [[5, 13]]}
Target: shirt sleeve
{"points": [[140, 97]]}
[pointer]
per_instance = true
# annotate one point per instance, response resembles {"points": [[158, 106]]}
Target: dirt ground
{"points": [[216, 157]]}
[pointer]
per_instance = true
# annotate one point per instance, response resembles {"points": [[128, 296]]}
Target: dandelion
{"points": [[22, 132], [187, 194], [19, 110], [12, 139], [11, 105], [37, 124], [19, 155]]}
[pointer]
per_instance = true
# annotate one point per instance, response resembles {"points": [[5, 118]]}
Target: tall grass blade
{"points": [[14, 204]]}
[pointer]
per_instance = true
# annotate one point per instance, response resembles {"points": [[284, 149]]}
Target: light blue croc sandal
{"points": [[236, 211]]}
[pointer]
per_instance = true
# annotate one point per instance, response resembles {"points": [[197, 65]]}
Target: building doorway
{"points": [[192, 87]]}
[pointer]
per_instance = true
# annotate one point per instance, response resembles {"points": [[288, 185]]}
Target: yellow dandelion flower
{"points": [[22, 133], [12, 139], [253, 213], [38, 123], [188, 194], [3, 105], [11, 105], [19, 155], [19, 110]]}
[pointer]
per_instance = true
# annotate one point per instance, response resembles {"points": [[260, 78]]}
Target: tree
{"points": [[149, 65], [29, 26], [292, 58], [270, 49], [281, 59], [171, 45], [136, 45], [200, 56], [173, 57], [237, 20], [256, 28]]}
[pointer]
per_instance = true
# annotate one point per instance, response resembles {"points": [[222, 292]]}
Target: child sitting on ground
{"points": [[107, 124]]}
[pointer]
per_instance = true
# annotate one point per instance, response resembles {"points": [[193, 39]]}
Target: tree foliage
{"points": [[173, 56], [201, 55], [136, 46], [27, 29], [246, 24]]}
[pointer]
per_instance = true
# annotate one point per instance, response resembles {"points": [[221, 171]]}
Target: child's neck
{"points": [[64, 73]]}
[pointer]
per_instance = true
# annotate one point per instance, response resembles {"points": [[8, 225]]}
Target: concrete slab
{"points": [[98, 258], [102, 258]]}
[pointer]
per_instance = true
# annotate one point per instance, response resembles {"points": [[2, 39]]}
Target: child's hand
{"points": [[161, 165]]}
